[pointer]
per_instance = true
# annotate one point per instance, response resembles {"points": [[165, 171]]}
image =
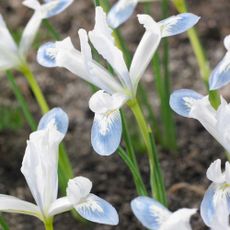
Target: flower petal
{"points": [[207, 208], [214, 172], [220, 76], [178, 24], [120, 12], [102, 39], [63, 54], [106, 133], [78, 188], [182, 100], [59, 206], [45, 56], [179, 220], [54, 7], [29, 33], [150, 212], [97, 210], [145, 50], [40, 164], [227, 42], [58, 116], [102, 102], [14, 205]]}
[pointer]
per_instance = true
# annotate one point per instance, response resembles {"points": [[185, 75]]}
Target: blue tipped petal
{"points": [[149, 212], [106, 133], [97, 210], [207, 209], [46, 55], [220, 76], [58, 8], [178, 24], [182, 100], [120, 12], [58, 116]]}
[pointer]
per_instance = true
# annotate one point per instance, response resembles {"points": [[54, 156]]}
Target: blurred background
{"points": [[184, 172]]}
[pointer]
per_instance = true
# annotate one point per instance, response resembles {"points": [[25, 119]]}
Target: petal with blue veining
{"points": [[46, 55], [181, 101], [106, 133], [220, 76], [150, 212], [120, 12], [178, 24], [58, 116], [97, 210]]}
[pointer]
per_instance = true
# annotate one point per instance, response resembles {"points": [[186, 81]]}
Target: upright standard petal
{"points": [[107, 125], [150, 212], [145, 50], [227, 42], [40, 164], [102, 39], [182, 100], [220, 76], [14, 205], [56, 116], [120, 12], [214, 172], [97, 210], [177, 24], [29, 33]]}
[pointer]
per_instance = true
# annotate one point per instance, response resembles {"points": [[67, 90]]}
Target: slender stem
{"points": [[51, 29], [49, 224], [205, 71], [155, 176], [35, 88], [21, 100], [140, 186]]}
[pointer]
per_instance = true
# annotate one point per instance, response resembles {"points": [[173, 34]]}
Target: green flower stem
{"points": [[158, 191], [49, 224], [65, 170], [35, 88], [205, 71], [21, 100], [140, 186], [51, 29]]}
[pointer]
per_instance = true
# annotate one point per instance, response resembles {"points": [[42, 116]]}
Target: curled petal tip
{"points": [[120, 12], [181, 101], [58, 116], [57, 6], [46, 55]]}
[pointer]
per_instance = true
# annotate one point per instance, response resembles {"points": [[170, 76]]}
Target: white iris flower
{"points": [[13, 55], [39, 167], [221, 74], [155, 216], [115, 91], [215, 204], [189, 103]]}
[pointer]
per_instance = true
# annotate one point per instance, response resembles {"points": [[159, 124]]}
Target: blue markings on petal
{"points": [[178, 24], [207, 209], [58, 116], [46, 55], [58, 8], [97, 210], [120, 12], [106, 133], [220, 76], [149, 212], [181, 101]]}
